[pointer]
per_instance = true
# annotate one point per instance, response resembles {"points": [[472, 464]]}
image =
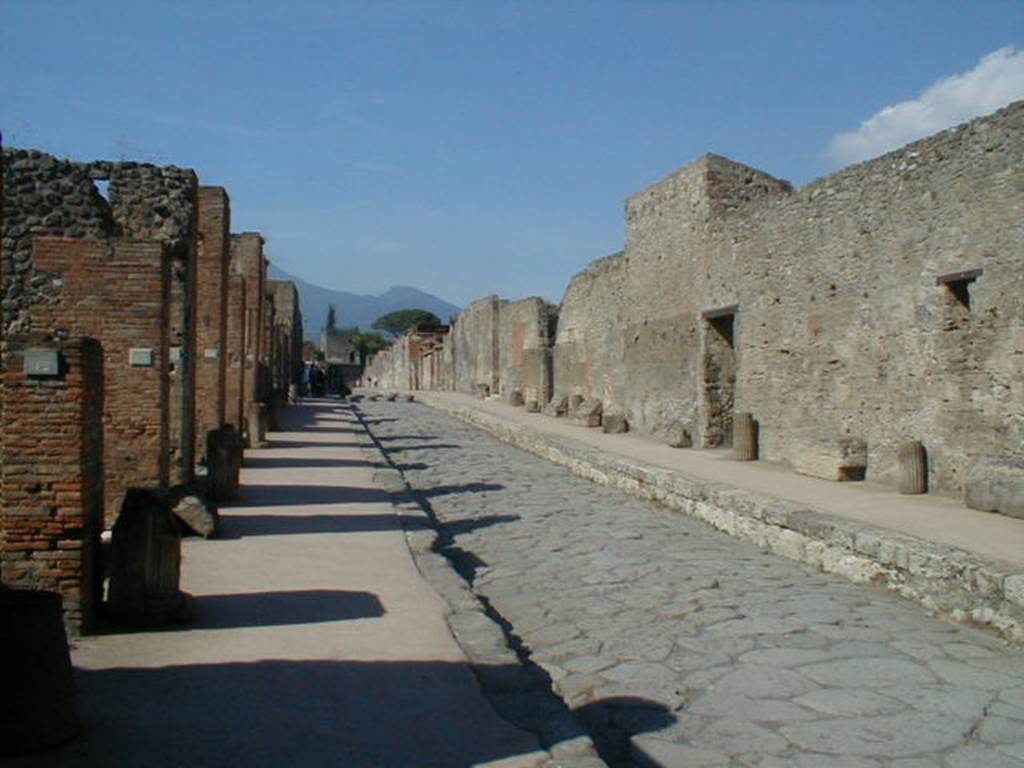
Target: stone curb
{"points": [[508, 684], [949, 581]]}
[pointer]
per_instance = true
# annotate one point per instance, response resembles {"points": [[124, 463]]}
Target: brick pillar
{"points": [[51, 480], [247, 260], [182, 339], [212, 303], [118, 292], [234, 383]]}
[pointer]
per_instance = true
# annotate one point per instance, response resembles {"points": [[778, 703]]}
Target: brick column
{"points": [[212, 303], [51, 479]]}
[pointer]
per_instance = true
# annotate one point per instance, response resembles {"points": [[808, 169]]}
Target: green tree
{"points": [[366, 342], [399, 322]]}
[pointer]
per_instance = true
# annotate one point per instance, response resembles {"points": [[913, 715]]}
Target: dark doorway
{"points": [[718, 371]]}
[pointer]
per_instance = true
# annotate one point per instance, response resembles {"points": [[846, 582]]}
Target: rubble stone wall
{"points": [[288, 322], [51, 479], [117, 292]]}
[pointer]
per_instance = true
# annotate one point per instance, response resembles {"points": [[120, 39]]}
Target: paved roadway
{"points": [[707, 651]]}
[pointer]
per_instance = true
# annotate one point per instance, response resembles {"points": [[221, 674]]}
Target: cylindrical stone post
{"points": [[37, 706], [913, 460], [744, 437]]}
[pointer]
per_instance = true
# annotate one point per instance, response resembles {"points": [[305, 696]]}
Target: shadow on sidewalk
{"points": [[275, 462], [271, 609], [243, 526], [266, 714]]}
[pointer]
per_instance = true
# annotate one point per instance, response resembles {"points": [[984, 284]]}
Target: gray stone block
{"points": [[532, 406], [613, 421], [197, 513], [588, 412], [515, 398], [832, 458], [997, 485], [558, 407]]}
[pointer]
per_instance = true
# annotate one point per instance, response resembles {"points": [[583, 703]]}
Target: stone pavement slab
{"points": [[316, 640], [679, 645], [961, 562]]}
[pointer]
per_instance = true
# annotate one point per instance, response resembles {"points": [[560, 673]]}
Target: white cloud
{"points": [[997, 80]]}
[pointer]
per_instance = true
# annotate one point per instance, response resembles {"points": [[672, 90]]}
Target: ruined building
{"points": [[879, 305], [129, 334]]}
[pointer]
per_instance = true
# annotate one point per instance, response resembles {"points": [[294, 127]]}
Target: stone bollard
{"points": [[145, 563], [257, 425], [37, 706], [516, 398], [532, 406], [913, 467], [744, 437], [223, 462]]}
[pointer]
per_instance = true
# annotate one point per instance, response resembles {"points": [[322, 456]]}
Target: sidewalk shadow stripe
{"points": [[272, 609]]}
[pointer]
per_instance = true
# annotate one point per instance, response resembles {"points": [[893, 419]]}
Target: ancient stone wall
{"points": [[160, 204], [525, 336], [42, 196], [51, 479], [212, 262], [119, 292], [588, 347], [474, 338], [288, 332], [830, 312]]}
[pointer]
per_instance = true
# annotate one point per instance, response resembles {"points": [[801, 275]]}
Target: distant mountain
{"points": [[356, 309]]}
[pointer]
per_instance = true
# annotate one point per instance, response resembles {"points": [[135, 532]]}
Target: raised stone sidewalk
{"points": [[959, 562]]}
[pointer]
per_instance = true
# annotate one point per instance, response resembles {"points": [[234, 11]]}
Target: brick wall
{"points": [[51, 479], [117, 292], [234, 381], [212, 303]]}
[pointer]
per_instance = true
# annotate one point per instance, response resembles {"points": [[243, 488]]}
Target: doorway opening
{"points": [[718, 372]]}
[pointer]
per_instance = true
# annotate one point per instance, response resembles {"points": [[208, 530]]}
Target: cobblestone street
{"points": [[760, 660]]}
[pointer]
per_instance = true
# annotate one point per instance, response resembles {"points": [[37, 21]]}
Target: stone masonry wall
{"points": [[117, 292], [589, 344], [51, 479], [838, 324], [288, 322], [475, 354], [212, 262], [524, 349]]}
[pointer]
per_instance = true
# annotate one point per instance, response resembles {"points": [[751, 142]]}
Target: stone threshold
{"points": [[946, 580]]}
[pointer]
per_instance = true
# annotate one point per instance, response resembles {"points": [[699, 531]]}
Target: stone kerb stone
{"points": [[949, 581]]}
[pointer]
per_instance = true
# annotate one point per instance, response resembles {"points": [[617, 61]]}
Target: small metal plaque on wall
{"points": [[42, 362], [140, 357], [211, 354]]}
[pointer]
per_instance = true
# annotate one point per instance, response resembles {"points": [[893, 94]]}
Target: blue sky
{"points": [[475, 147]]}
